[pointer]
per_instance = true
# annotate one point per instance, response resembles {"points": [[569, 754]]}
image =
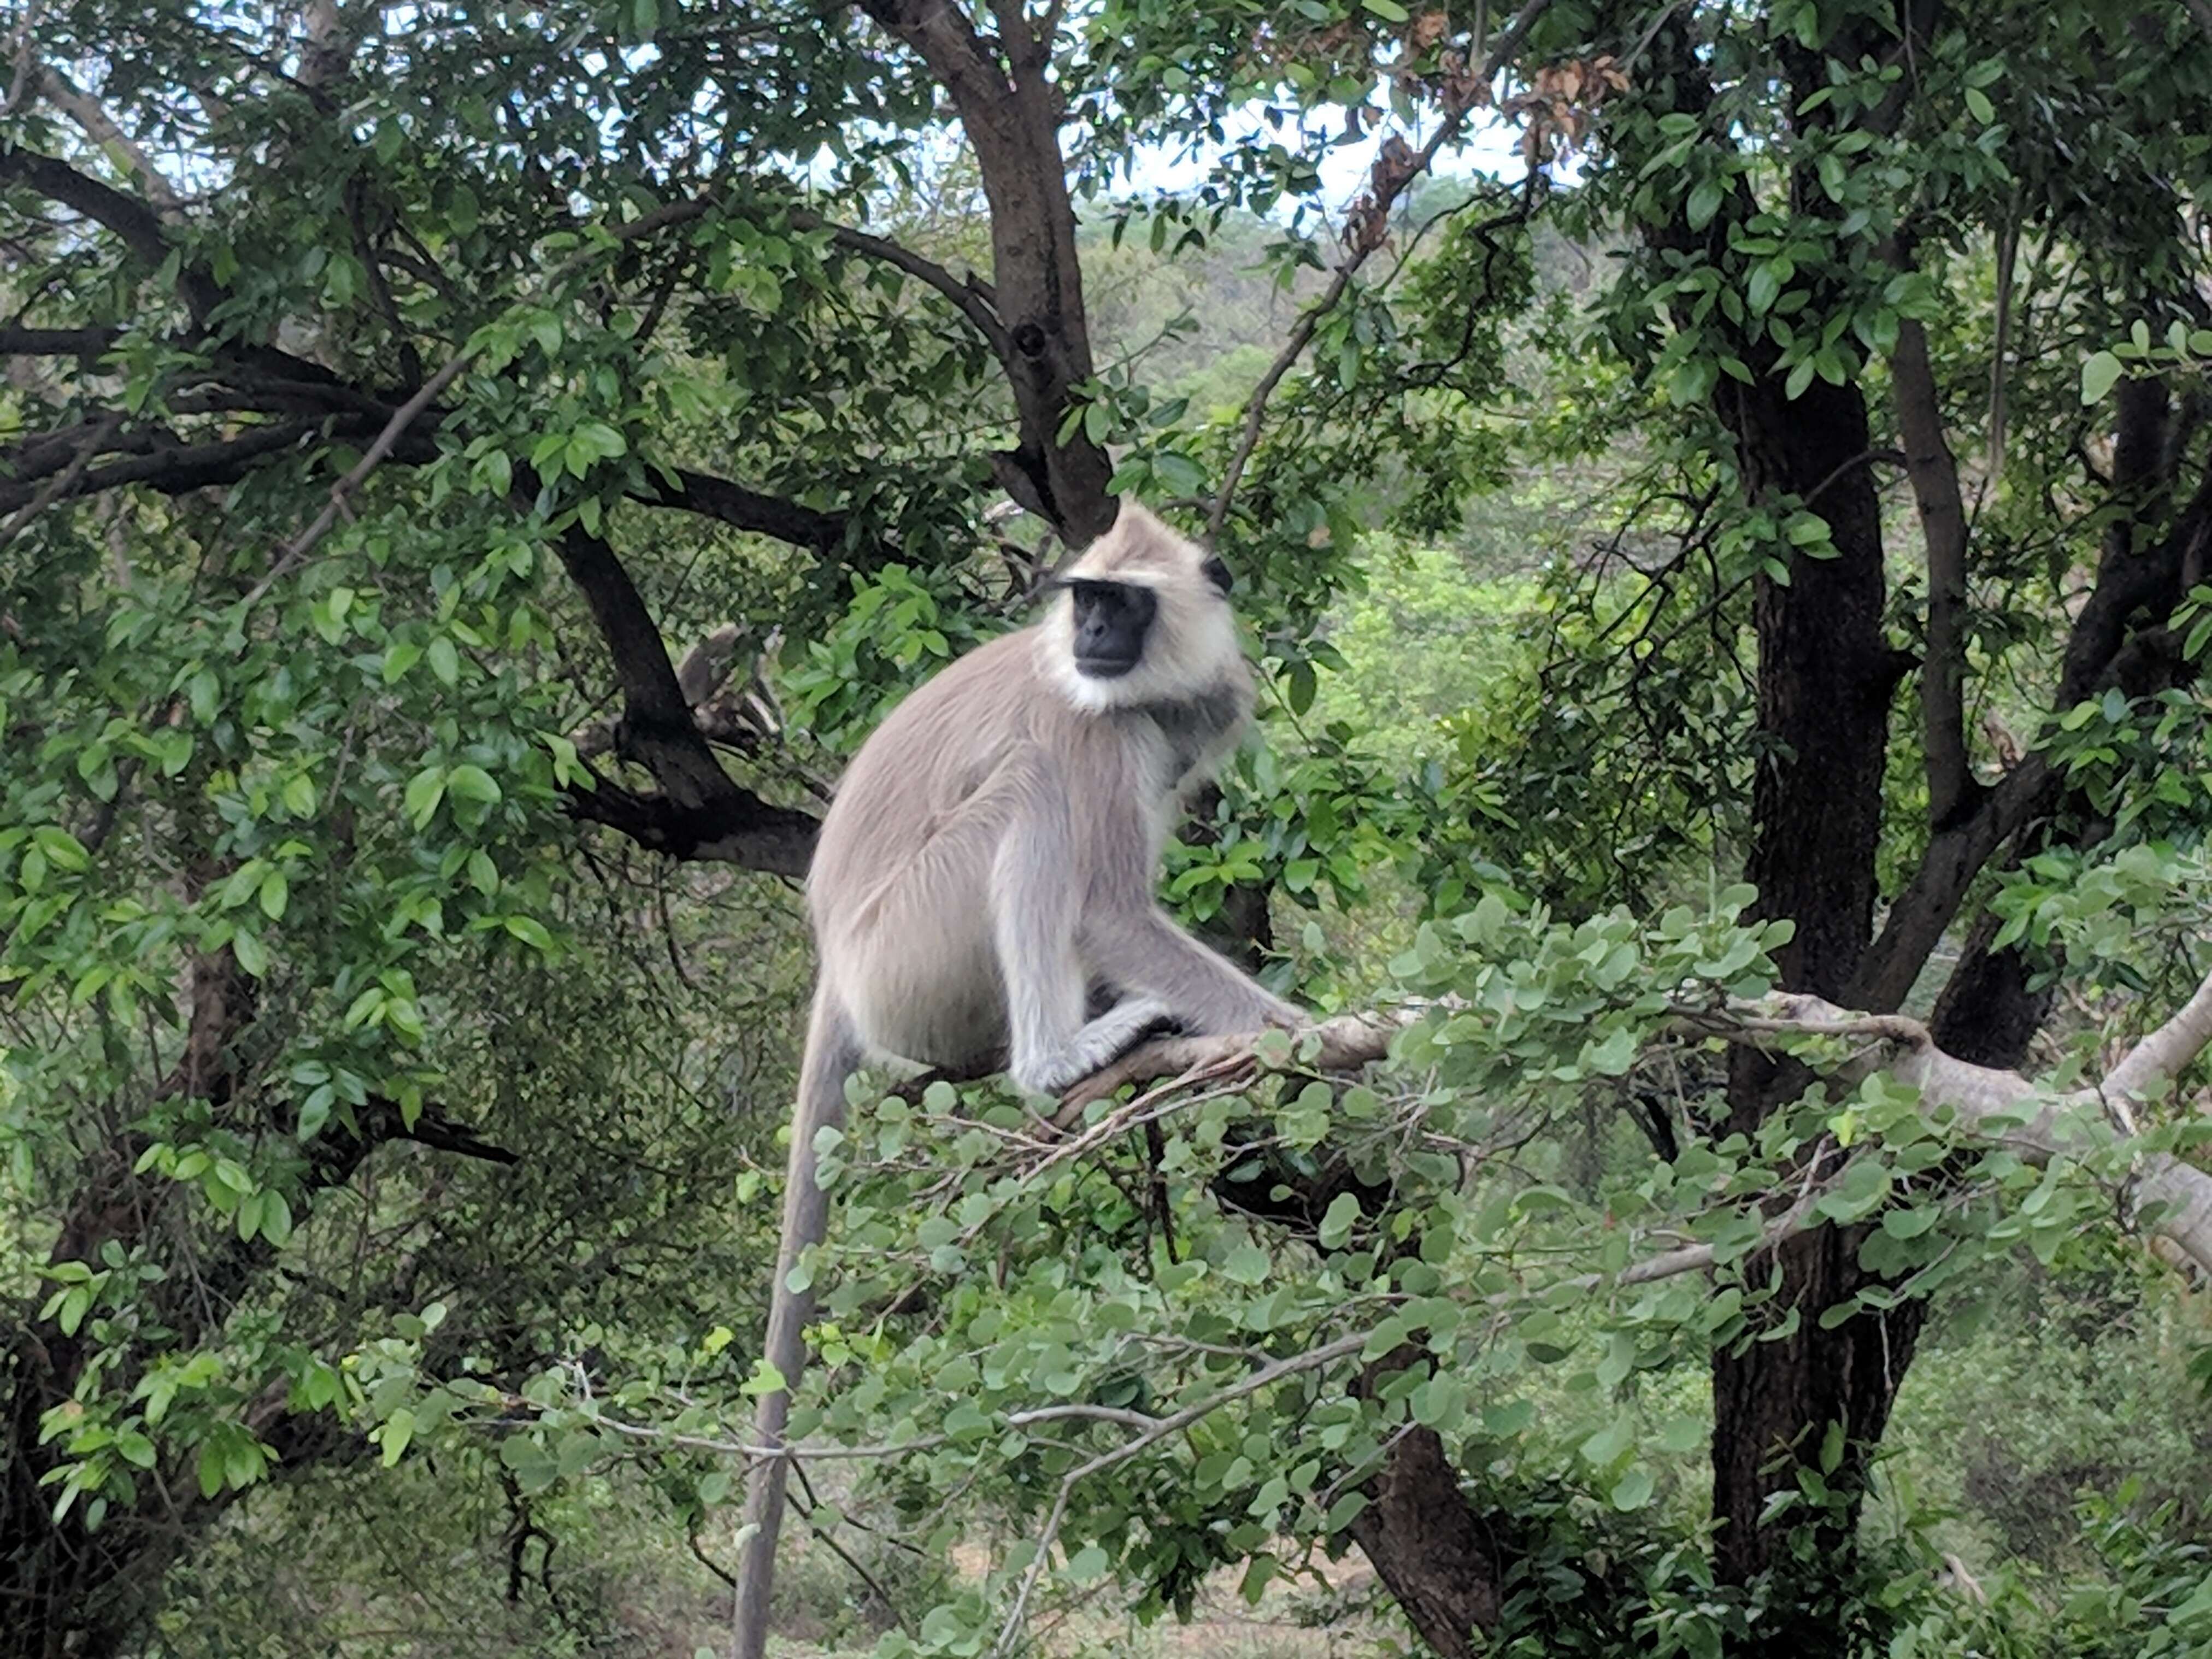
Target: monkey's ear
{"points": [[1217, 572]]}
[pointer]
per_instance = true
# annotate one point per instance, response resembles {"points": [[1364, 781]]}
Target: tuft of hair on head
{"points": [[1191, 645], [1138, 548]]}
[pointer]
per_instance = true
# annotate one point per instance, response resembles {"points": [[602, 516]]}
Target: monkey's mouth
{"points": [[1102, 665]]}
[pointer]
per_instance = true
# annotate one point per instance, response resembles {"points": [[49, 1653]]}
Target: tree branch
{"points": [[403, 417], [2161, 1056], [83, 109], [1159, 1430], [2172, 1199], [384, 1121], [1934, 471], [62, 482], [1342, 1044], [174, 468], [749, 833], [701, 813], [1012, 111], [57, 342], [741, 508], [2100, 651], [972, 299], [138, 224], [1389, 183]]}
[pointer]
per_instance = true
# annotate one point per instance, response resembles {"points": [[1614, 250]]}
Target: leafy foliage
{"points": [[387, 395]]}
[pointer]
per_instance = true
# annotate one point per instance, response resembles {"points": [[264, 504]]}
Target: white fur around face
{"points": [[1190, 646]]}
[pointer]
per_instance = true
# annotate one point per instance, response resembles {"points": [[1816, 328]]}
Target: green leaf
{"points": [[1336, 1226], [1831, 1448], [1704, 201], [398, 1429], [399, 658], [531, 932], [1615, 1055], [1761, 291], [1088, 1563], [472, 783], [2098, 376], [63, 850], [1178, 475], [1248, 1264], [252, 954], [765, 1379], [424, 791]]}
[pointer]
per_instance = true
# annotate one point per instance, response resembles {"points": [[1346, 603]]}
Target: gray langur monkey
{"points": [[983, 887]]}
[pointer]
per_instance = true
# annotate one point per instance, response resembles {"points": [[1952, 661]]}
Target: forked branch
{"points": [[2170, 1199]]}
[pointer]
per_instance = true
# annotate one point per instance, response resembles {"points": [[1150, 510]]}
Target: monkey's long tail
{"points": [[832, 1053]]}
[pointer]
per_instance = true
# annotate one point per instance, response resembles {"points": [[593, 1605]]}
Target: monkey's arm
{"points": [[1207, 994], [1037, 898], [1129, 941]]}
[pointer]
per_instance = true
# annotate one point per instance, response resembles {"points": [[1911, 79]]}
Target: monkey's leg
{"points": [[833, 1054]]}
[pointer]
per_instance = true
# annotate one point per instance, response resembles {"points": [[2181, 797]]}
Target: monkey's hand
{"points": [[1124, 1026]]}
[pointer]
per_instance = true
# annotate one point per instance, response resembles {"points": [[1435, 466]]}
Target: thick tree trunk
{"points": [[1439, 1561], [1011, 109], [1826, 678], [1827, 675]]}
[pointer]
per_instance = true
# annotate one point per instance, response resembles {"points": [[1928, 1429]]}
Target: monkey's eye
{"points": [[1217, 572]]}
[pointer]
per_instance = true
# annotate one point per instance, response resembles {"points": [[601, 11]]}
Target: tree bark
{"points": [[1934, 470], [1825, 679], [1827, 675], [1991, 1006], [1430, 1548], [1010, 111]]}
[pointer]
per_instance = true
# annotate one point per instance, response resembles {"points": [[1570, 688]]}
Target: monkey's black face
{"points": [[1111, 621]]}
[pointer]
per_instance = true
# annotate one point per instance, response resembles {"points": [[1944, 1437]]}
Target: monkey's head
{"points": [[1142, 617]]}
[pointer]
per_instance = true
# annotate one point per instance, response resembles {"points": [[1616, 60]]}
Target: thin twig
{"points": [[972, 299], [1386, 195], [1161, 1428], [341, 492], [807, 1505]]}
